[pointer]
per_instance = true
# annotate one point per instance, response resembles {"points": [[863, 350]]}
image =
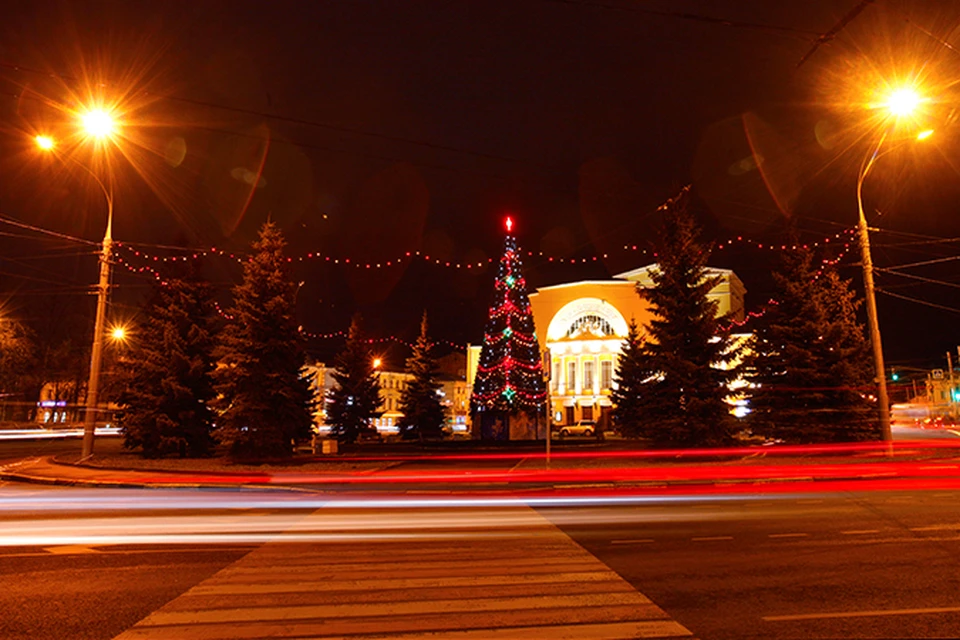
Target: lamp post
{"points": [[900, 103], [98, 125]]}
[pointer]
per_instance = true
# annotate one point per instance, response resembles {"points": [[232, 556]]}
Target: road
{"points": [[864, 565]]}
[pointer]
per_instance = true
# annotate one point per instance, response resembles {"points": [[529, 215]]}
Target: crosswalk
{"points": [[454, 578]]}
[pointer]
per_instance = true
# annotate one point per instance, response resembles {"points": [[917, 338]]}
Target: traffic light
{"points": [[894, 375]]}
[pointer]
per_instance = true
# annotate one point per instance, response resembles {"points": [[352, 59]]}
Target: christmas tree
{"points": [[509, 386], [266, 401], [423, 413]]}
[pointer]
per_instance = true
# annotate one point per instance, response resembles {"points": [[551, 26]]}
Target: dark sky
{"points": [[367, 129]]}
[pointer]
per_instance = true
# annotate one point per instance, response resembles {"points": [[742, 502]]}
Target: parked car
{"points": [[587, 428]]}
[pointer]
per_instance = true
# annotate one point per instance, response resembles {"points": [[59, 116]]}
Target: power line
{"points": [[918, 301], [920, 278], [23, 225], [693, 17], [923, 263]]}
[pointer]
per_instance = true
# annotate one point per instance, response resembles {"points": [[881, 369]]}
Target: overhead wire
{"points": [[918, 301], [920, 278]]}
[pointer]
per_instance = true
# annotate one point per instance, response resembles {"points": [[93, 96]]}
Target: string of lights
{"points": [[407, 257]]}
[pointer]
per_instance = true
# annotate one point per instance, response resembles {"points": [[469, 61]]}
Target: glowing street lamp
{"points": [[900, 104], [98, 125], [119, 333]]}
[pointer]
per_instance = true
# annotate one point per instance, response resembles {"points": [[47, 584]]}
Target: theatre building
{"points": [[582, 326]]}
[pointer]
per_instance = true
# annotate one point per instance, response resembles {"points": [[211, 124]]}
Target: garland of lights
{"points": [[480, 264]]}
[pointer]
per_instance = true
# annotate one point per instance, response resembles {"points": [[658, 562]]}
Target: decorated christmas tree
{"points": [[509, 394]]}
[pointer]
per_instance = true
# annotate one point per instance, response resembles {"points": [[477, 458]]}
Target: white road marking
{"points": [[711, 538], [788, 535], [860, 532], [639, 541], [861, 614]]}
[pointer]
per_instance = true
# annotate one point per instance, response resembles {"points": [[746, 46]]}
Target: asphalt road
{"points": [[865, 565]]}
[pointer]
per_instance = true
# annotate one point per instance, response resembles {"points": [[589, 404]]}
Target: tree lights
{"points": [[509, 374]]}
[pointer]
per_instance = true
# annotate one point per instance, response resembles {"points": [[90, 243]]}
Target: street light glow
{"points": [[377, 362], [97, 123], [45, 142], [903, 102], [923, 135], [118, 333]]}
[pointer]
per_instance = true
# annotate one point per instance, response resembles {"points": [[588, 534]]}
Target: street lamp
{"points": [[899, 104], [98, 125]]}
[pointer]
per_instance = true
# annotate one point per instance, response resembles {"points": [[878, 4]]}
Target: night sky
{"points": [[368, 129]]}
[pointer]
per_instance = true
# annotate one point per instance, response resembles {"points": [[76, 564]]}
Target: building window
{"points": [[587, 413], [555, 382], [571, 375], [606, 375], [588, 376], [592, 324]]}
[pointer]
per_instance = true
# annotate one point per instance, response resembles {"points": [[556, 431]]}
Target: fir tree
{"points": [[355, 400], [266, 401], [630, 376], [423, 413], [812, 364], [688, 353], [168, 386], [509, 376]]}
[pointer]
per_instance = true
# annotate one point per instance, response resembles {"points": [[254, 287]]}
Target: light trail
{"points": [[53, 434]]}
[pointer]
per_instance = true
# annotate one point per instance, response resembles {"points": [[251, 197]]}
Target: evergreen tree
{"points": [[167, 381], [812, 365], [688, 353], [18, 361], [509, 376], [630, 376], [355, 400], [423, 413], [266, 402]]}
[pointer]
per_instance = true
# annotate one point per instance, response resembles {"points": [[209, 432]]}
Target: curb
{"points": [[118, 484]]}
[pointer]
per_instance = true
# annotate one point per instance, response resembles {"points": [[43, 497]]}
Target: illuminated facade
{"points": [[581, 327], [455, 398]]}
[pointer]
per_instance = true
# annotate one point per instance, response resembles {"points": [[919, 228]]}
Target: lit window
{"points": [[588, 375], [606, 374]]}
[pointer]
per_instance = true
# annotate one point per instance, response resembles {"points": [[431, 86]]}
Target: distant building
{"points": [[453, 390], [581, 327]]}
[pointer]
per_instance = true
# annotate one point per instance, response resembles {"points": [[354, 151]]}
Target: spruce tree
{"points": [[630, 377], [167, 383], [811, 365], [509, 378], [266, 401], [688, 352], [423, 412], [355, 400]]}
